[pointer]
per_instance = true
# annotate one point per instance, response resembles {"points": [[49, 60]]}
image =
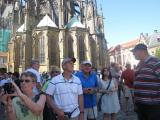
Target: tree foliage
{"points": [[157, 54]]}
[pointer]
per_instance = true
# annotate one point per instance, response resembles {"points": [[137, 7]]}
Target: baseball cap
{"points": [[55, 68], [139, 47], [86, 62], [67, 60]]}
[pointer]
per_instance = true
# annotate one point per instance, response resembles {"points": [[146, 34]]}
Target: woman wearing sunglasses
{"points": [[26, 106]]}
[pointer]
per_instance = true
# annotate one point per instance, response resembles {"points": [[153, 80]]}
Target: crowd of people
{"points": [[82, 94]]}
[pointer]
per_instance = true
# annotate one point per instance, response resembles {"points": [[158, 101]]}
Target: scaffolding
{"points": [[4, 39]]}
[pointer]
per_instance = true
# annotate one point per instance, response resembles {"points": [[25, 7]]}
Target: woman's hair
{"points": [[102, 72], [29, 74]]}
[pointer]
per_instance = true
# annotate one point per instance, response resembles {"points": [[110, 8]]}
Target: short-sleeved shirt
{"points": [[128, 76], [23, 112], [88, 82], [65, 93]]}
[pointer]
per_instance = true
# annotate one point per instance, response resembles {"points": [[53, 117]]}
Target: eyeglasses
{"points": [[26, 81], [55, 72]]}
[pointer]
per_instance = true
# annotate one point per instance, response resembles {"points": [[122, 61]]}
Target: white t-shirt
{"points": [[65, 93]]}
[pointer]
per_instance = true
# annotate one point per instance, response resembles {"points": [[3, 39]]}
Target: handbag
{"points": [[100, 99]]}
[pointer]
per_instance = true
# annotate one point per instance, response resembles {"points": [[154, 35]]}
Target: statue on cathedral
{"points": [[33, 4], [73, 7], [45, 7]]}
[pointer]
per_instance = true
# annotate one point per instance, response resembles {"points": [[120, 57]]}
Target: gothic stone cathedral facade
{"points": [[50, 30]]}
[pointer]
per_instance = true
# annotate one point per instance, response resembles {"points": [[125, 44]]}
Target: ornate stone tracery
{"points": [[62, 37]]}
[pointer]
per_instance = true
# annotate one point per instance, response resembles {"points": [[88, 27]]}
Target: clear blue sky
{"points": [[126, 19]]}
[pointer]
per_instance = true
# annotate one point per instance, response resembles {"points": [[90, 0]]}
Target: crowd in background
{"points": [[82, 94]]}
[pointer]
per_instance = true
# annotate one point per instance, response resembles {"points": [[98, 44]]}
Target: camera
{"points": [[8, 87]]}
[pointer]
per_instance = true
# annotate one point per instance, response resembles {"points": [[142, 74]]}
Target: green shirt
{"points": [[23, 112], [45, 86]]}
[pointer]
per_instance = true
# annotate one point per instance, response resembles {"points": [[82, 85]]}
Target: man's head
{"points": [[68, 64], [35, 64], [54, 71], [140, 51], [86, 66], [128, 66], [113, 64]]}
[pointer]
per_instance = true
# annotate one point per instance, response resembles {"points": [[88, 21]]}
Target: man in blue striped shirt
{"points": [[147, 84]]}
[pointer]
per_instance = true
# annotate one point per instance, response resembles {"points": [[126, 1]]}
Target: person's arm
{"points": [[94, 89], [80, 101], [55, 109], [50, 91], [116, 87], [156, 69], [34, 107], [103, 91], [39, 84], [81, 107], [11, 115]]}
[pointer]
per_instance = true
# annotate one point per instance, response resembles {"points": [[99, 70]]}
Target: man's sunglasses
{"points": [[55, 72], [26, 81]]}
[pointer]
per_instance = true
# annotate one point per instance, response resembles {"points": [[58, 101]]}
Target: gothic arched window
{"points": [[42, 49], [21, 48], [81, 49], [70, 47]]}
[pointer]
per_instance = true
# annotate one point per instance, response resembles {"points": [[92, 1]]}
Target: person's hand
{"points": [[19, 93], [6, 97], [60, 114], [9, 106], [89, 90], [85, 90], [1, 95]]}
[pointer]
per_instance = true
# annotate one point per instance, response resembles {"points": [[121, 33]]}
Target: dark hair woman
{"points": [[109, 99]]}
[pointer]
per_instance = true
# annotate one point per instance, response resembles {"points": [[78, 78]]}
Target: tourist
{"points": [[147, 84], [34, 69], [65, 95], [89, 82], [108, 99], [27, 105], [128, 77]]}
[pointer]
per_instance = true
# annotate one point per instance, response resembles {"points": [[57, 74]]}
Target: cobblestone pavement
{"points": [[131, 114], [121, 114]]}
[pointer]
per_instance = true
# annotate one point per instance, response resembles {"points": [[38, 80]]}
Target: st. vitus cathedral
{"points": [[51, 30]]}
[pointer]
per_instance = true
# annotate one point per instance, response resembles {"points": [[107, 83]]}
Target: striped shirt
{"points": [[147, 81], [65, 93]]}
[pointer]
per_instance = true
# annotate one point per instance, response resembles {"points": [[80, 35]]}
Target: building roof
{"points": [[46, 21], [130, 44], [7, 10], [21, 29], [74, 22], [126, 45], [154, 40]]}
